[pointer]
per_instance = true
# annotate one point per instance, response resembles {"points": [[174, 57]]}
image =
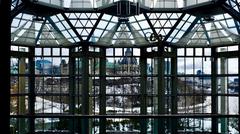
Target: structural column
{"points": [[103, 90], [174, 91], [21, 99], [214, 90], [85, 90], [32, 95], [143, 88], [224, 99], [72, 68], [161, 89], [5, 27], [238, 85]]}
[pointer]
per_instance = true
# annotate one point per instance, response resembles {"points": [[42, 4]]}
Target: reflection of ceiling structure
{"points": [[115, 27], [123, 34], [37, 34], [210, 33]]}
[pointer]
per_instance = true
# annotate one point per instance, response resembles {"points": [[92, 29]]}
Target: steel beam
{"points": [[132, 116], [150, 24], [174, 27], [205, 31], [40, 31], [235, 22], [230, 10], [54, 25], [72, 27], [18, 9], [94, 27], [237, 26], [191, 26]]}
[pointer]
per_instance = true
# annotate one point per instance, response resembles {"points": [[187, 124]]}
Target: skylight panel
{"points": [[110, 25], [144, 24], [140, 17], [136, 26], [230, 23], [102, 24], [106, 17]]}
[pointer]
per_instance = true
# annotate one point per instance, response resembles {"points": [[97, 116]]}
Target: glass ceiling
{"points": [[220, 31], [67, 29], [102, 3]]}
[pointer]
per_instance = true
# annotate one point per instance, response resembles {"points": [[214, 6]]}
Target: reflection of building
{"points": [[46, 67], [203, 80], [14, 69], [128, 64], [152, 68], [43, 66], [64, 67], [234, 85]]}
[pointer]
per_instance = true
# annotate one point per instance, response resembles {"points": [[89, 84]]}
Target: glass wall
{"points": [[122, 87], [90, 89], [228, 88], [19, 90]]}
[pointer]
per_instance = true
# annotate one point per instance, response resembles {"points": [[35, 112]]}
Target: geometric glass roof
{"points": [[101, 3], [210, 33], [66, 27], [31, 30], [36, 32]]}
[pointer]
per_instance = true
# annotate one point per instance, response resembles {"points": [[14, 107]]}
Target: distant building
{"points": [[167, 68], [236, 80], [64, 67], [128, 64], [203, 79], [43, 67], [234, 85], [46, 67]]}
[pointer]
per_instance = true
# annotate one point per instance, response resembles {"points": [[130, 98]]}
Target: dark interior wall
{"points": [[5, 25]]}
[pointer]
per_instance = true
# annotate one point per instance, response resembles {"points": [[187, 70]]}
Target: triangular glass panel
{"points": [[78, 24], [83, 15], [84, 32], [163, 22], [88, 30], [79, 30], [89, 24], [153, 22], [83, 22], [73, 22], [72, 15], [164, 16], [93, 22], [174, 16]]}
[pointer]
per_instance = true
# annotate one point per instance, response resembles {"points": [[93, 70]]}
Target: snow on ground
{"points": [[46, 106], [233, 105]]}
